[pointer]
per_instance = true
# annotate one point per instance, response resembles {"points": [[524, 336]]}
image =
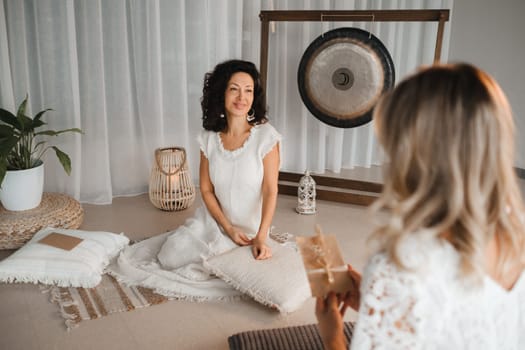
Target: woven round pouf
{"points": [[56, 210]]}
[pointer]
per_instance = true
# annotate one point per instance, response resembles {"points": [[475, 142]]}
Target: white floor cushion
{"points": [[82, 266], [279, 282]]}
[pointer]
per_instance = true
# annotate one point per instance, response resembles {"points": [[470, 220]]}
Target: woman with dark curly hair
{"points": [[214, 95], [239, 155], [239, 169]]}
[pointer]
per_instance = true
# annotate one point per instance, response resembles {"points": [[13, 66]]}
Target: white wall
{"points": [[491, 35]]}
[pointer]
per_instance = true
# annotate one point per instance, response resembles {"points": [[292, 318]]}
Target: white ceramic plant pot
{"points": [[22, 189]]}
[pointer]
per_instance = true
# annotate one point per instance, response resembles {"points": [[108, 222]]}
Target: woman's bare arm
{"points": [[271, 164]]}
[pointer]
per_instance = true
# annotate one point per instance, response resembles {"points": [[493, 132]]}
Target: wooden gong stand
{"points": [[335, 188]]}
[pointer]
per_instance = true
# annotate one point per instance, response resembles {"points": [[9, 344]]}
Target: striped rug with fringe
{"points": [[110, 296]]}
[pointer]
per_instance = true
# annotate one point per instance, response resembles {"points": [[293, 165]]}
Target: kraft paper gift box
{"points": [[324, 264]]}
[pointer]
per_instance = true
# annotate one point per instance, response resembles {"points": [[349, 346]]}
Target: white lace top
{"points": [[430, 307]]}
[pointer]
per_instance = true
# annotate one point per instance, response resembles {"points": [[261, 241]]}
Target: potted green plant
{"points": [[21, 150]]}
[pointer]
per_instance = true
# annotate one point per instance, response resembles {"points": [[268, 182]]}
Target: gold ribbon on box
{"points": [[324, 264]]}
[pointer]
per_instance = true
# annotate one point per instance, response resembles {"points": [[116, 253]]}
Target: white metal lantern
{"points": [[170, 184], [306, 195]]}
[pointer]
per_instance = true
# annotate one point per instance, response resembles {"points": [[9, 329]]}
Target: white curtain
{"points": [[129, 73]]}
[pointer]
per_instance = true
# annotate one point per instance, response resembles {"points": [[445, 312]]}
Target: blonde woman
{"points": [[449, 273]]}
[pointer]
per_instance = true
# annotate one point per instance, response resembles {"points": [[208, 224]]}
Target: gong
{"points": [[342, 75]]}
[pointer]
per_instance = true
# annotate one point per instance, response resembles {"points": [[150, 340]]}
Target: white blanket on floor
{"points": [[139, 263]]}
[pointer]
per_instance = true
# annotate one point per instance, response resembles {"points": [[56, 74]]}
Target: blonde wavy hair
{"points": [[448, 133]]}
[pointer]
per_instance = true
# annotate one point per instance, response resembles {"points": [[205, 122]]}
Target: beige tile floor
{"points": [[29, 321]]}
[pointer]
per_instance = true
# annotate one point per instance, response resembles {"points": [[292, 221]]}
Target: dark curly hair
{"points": [[212, 101]]}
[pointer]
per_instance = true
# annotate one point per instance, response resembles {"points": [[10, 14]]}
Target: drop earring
{"points": [[221, 115], [251, 115]]}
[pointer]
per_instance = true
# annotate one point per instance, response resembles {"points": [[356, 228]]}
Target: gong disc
{"points": [[342, 74]]}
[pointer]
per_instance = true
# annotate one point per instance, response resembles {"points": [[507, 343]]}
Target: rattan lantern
{"points": [[306, 195], [170, 184]]}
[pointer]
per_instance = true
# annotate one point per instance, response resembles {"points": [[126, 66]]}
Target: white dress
{"points": [[171, 263], [431, 307]]}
